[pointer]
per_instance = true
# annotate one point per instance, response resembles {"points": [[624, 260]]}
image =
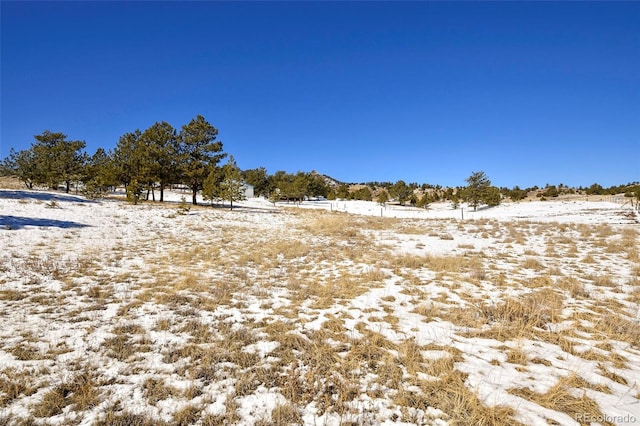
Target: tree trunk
{"points": [[194, 200], [161, 193], [68, 186]]}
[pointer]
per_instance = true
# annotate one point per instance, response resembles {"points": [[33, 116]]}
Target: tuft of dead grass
{"points": [[567, 396], [14, 384], [450, 394], [81, 393]]}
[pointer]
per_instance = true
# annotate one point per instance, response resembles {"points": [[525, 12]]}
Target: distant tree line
{"points": [[144, 162]]}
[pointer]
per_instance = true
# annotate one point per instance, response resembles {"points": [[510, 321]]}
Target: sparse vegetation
{"points": [[306, 314]]}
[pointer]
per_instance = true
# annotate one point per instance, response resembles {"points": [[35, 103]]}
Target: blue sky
{"points": [[531, 93]]}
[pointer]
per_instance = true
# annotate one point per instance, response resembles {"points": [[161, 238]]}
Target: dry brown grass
{"points": [[312, 267], [514, 318], [452, 264], [11, 295], [517, 356], [26, 352], [410, 356], [81, 393], [616, 326], [286, 414], [115, 417], [572, 285], [532, 263], [155, 390], [566, 396], [15, 384], [11, 182], [186, 416], [336, 225], [450, 394]]}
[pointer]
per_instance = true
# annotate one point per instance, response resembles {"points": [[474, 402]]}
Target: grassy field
{"points": [[116, 314]]}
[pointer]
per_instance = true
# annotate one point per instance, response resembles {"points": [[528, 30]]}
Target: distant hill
{"points": [[334, 183]]}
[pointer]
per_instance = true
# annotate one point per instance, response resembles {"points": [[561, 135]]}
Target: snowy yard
{"points": [[331, 313]]}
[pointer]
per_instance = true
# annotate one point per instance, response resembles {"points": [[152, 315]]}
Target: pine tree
{"points": [[99, 174], [492, 196], [300, 186], [363, 193], [211, 189], [23, 165], [342, 191], [161, 141], [259, 179], [424, 201], [134, 191], [57, 160], [383, 197], [132, 164], [476, 189], [281, 185], [274, 196], [231, 187], [199, 153], [401, 192]]}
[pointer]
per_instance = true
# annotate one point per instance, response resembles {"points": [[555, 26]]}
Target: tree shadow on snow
{"points": [[42, 196], [481, 208], [17, 222]]}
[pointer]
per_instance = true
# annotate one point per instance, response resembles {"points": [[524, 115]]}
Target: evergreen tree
{"points": [[231, 186], [476, 189], [455, 201], [517, 194], [57, 159], [161, 141], [132, 165], [363, 193], [424, 201], [274, 196], [301, 186], [99, 174], [211, 189], [23, 164], [401, 192], [595, 189], [383, 197], [134, 191], [551, 191], [199, 153], [259, 179], [317, 186], [342, 191], [492, 196], [280, 184]]}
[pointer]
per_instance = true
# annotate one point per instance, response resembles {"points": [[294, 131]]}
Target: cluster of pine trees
{"points": [[141, 161], [154, 159]]}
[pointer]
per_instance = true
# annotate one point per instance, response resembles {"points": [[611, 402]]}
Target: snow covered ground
{"points": [[574, 211], [326, 313]]}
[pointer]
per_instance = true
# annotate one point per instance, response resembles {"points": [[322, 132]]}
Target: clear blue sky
{"points": [[531, 93]]}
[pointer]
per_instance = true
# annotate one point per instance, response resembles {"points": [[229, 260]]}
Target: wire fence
{"points": [[634, 204]]}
